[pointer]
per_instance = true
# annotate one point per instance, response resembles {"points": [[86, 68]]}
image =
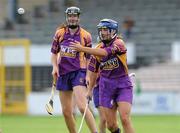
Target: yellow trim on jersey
{"points": [[123, 59], [83, 34], [99, 45], [83, 60]]}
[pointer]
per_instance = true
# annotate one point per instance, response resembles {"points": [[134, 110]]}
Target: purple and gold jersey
{"points": [[70, 60], [114, 64]]}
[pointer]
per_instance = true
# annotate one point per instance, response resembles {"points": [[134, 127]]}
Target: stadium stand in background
{"points": [[157, 26]]}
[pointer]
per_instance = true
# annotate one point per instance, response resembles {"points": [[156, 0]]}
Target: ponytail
{"points": [[64, 25]]}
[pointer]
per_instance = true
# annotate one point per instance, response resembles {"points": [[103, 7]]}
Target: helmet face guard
{"points": [[107, 30], [72, 17]]}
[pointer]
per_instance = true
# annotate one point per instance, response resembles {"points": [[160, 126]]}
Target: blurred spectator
{"points": [[128, 24], [54, 5], [22, 19], [39, 12], [8, 25], [69, 3]]}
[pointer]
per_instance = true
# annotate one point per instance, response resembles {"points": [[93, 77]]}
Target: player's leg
{"points": [[79, 90], [66, 95], [81, 100], [102, 122], [67, 110], [74, 106], [111, 119], [124, 109], [107, 93], [124, 101]]}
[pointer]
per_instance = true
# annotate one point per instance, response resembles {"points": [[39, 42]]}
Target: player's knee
{"points": [[81, 109], [125, 119], [103, 121], [111, 126], [66, 113]]}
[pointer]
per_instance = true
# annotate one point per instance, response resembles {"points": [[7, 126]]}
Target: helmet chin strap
{"points": [[72, 26], [114, 36], [106, 42]]}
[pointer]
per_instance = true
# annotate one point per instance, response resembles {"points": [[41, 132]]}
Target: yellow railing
{"points": [[14, 92]]}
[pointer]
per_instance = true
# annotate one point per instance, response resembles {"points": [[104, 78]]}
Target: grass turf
{"points": [[55, 124]]}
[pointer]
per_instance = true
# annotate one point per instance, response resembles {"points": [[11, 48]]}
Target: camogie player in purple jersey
{"points": [[69, 66], [115, 87], [102, 121]]}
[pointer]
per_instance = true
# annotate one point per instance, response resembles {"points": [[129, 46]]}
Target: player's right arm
{"points": [[92, 74], [55, 48], [93, 51], [55, 71]]}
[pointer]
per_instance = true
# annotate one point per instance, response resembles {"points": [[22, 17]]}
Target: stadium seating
{"points": [[157, 25], [159, 77]]}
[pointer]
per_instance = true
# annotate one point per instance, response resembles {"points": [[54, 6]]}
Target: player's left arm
{"points": [[118, 47]]}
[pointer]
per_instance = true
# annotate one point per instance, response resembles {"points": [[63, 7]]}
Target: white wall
{"points": [[40, 55], [156, 103], [175, 52], [144, 103], [37, 102]]}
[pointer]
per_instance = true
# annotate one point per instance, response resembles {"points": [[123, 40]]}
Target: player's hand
{"points": [[87, 81], [76, 45], [89, 95], [55, 72]]}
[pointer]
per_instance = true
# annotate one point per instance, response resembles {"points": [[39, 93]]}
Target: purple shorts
{"points": [[68, 81], [115, 90], [96, 96]]}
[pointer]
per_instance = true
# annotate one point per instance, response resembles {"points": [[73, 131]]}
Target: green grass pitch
{"points": [[55, 124]]}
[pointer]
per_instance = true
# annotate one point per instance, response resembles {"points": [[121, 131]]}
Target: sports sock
{"points": [[117, 131]]}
